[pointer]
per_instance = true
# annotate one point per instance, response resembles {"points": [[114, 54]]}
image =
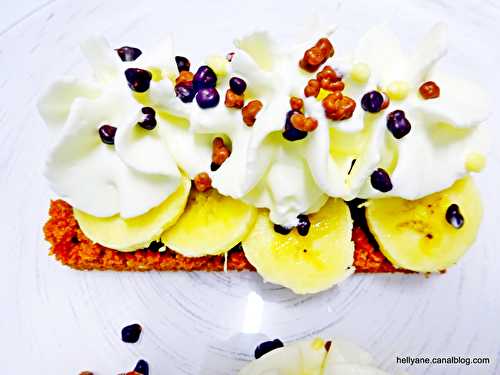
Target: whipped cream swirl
{"points": [[264, 169], [129, 178], [311, 357]]}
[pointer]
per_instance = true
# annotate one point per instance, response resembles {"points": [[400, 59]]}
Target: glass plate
{"points": [[60, 321]]}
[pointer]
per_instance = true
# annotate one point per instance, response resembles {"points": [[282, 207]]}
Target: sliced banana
{"points": [[211, 224], [137, 232], [416, 235], [305, 264]]}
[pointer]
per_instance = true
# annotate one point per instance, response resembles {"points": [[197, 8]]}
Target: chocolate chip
{"points": [[128, 53], [185, 92], [398, 124], [138, 79], [182, 63], [142, 367], [303, 225], [352, 166], [381, 181], [131, 333], [328, 345], [156, 245], [214, 166], [372, 101], [454, 217], [149, 121], [282, 230], [207, 97], [267, 347], [204, 78], [107, 134], [237, 85]]}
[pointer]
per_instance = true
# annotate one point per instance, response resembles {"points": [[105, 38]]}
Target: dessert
{"points": [[261, 160], [311, 356]]}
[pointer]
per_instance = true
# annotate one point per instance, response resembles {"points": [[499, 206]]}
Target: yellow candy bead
{"points": [[475, 162], [156, 74], [360, 72], [318, 343], [172, 76], [397, 90], [322, 94], [218, 64], [141, 97]]}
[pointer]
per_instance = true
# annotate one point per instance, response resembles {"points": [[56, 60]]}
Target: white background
{"points": [[54, 320]]}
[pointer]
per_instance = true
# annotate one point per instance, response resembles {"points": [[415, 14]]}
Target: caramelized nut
{"points": [[306, 66], [202, 182], [220, 152], [310, 124], [234, 100], [312, 88], [317, 55], [301, 122], [184, 76], [298, 120], [314, 56], [429, 90], [250, 111], [328, 85], [329, 79], [218, 142], [338, 107], [325, 46], [219, 156], [296, 103], [346, 109], [330, 102], [328, 72]]}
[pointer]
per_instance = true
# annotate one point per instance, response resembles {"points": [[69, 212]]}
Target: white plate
{"points": [[59, 321]]}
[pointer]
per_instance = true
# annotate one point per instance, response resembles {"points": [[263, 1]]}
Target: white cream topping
{"points": [[264, 169], [311, 357], [129, 178], [444, 130]]}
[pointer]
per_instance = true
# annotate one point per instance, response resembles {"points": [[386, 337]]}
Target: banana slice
{"points": [[211, 224], [305, 264], [416, 235], [137, 232], [301, 357]]}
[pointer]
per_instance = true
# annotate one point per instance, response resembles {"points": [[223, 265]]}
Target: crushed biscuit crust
{"points": [[72, 248]]}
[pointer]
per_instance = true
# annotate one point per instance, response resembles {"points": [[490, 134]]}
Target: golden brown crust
{"points": [[71, 247], [367, 259]]}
